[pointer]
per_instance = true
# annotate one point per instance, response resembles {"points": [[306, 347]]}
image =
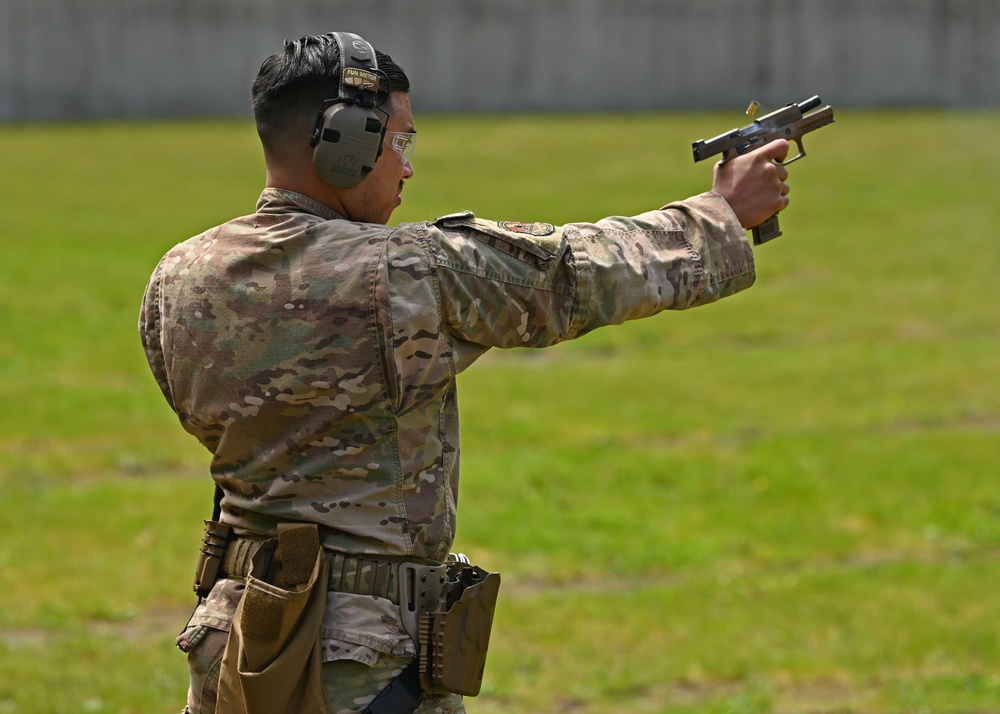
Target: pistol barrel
{"points": [[810, 103]]}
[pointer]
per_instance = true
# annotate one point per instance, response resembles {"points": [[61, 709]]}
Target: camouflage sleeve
{"points": [[511, 284]]}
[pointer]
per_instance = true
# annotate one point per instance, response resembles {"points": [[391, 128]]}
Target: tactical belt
{"points": [[446, 608], [348, 573]]}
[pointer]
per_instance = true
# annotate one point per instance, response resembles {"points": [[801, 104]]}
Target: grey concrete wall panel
{"points": [[73, 59]]}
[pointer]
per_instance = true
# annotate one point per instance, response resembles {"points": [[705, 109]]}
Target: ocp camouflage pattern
{"points": [[316, 358]]}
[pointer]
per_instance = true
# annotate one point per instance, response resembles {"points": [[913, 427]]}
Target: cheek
{"points": [[381, 198], [380, 189], [382, 172]]}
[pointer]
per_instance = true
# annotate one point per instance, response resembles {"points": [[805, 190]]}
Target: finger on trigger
{"points": [[778, 149]]}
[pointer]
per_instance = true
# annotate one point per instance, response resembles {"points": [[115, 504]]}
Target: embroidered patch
{"points": [[361, 78], [529, 229]]}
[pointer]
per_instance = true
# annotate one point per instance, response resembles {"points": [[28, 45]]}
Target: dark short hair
{"points": [[292, 85]]}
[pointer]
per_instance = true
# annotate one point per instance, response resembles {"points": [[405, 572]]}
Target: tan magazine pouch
{"points": [[272, 663]]}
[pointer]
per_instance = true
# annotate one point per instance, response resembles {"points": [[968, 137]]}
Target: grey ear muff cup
{"points": [[348, 141]]}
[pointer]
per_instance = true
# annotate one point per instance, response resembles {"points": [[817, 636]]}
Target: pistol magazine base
{"points": [[768, 230]]}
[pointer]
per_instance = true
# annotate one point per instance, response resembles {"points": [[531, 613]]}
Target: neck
{"points": [[308, 184]]}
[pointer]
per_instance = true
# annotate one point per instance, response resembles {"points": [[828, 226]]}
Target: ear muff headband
{"points": [[349, 129]]}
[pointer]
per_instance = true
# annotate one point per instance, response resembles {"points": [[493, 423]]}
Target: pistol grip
{"points": [[766, 231]]}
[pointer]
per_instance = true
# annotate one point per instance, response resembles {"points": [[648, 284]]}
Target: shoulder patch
{"points": [[535, 243], [528, 229]]}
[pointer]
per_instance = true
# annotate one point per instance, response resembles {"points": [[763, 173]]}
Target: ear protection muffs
{"points": [[350, 128]]}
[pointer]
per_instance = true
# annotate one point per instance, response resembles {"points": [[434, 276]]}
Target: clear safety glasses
{"points": [[403, 143]]}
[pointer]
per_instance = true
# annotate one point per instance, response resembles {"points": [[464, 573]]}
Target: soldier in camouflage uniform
{"points": [[314, 350]]}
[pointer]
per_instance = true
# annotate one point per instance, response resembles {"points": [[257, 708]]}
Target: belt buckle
{"points": [[420, 589]]}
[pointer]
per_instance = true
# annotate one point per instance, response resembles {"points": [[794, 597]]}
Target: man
{"points": [[314, 350]]}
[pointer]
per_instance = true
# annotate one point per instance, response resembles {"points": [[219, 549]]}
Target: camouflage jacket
{"points": [[316, 358]]}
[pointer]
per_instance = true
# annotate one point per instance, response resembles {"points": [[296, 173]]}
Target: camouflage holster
{"points": [[452, 607]]}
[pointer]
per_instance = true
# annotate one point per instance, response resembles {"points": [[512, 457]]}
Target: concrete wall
{"points": [[141, 58]]}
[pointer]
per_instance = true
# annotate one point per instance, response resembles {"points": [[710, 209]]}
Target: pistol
{"points": [[791, 122]]}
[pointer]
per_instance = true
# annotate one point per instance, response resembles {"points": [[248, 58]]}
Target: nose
{"points": [[407, 170]]}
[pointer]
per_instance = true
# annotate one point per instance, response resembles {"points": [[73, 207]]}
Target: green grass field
{"points": [[787, 502]]}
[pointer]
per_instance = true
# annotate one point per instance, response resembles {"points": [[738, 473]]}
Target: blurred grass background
{"points": [[786, 502]]}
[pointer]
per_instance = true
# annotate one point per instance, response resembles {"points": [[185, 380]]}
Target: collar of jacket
{"points": [[279, 200]]}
